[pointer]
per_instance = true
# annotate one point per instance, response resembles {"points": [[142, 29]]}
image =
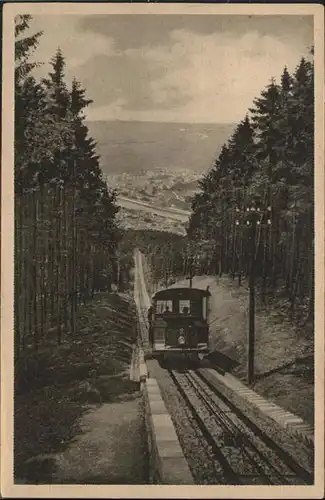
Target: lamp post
{"points": [[193, 262], [189, 264], [252, 217], [191, 271]]}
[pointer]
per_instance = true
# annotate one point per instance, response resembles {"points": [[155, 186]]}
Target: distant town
{"points": [[161, 188]]}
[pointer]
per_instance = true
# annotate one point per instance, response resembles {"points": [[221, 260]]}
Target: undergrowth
{"points": [[47, 404]]}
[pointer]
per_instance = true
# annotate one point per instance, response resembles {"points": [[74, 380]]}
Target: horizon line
{"points": [[163, 121]]}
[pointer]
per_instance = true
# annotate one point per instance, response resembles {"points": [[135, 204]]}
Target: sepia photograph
{"points": [[162, 246]]}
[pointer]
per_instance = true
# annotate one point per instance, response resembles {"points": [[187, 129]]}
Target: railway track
{"points": [[237, 451], [241, 453]]}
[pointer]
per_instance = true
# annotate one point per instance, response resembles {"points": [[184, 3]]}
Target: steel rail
{"points": [[286, 458], [229, 474], [244, 444], [240, 438]]}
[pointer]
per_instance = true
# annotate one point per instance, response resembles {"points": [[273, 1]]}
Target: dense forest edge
{"points": [[268, 166], [59, 260]]}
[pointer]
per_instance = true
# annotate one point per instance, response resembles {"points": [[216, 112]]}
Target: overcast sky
{"points": [[189, 68]]}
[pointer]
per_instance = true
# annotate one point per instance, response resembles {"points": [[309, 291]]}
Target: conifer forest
{"points": [[267, 165], [66, 232]]}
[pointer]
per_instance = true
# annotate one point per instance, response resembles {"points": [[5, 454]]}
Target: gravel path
{"points": [[111, 448]]}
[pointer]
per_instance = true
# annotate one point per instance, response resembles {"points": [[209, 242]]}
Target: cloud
{"points": [[87, 47], [173, 68], [60, 31], [207, 78], [138, 31], [129, 75]]}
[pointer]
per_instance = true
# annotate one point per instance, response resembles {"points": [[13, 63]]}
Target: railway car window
{"points": [[196, 308], [184, 307], [205, 308], [164, 306]]}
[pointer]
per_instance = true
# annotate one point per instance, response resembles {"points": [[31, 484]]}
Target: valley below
{"points": [[155, 168]]}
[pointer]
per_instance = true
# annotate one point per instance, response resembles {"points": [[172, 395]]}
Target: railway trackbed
{"points": [[240, 452], [220, 443]]}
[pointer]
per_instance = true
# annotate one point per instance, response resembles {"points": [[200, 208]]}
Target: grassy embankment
{"points": [[57, 385]]}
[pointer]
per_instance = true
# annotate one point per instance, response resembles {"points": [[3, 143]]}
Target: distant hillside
{"points": [[184, 186], [134, 146]]}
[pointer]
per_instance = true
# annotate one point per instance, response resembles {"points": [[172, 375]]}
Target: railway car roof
{"points": [[185, 292]]}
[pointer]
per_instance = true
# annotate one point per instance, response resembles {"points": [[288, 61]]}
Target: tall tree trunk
{"points": [[42, 250], [35, 276], [58, 266], [46, 259], [18, 276], [295, 271], [292, 261], [264, 265], [274, 230], [240, 258], [26, 272], [65, 254], [83, 266], [311, 263], [53, 253], [73, 263], [234, 250]]}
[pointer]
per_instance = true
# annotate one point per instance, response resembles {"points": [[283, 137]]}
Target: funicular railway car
{"points": [[178, 324]]}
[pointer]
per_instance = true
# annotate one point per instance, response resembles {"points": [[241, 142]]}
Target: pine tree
{"points": [[96, 203], [57, 101], [242, 163], [39, 136], [56, 87], [27, 96], [24, 47], [301, 110], [89, 172]]}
